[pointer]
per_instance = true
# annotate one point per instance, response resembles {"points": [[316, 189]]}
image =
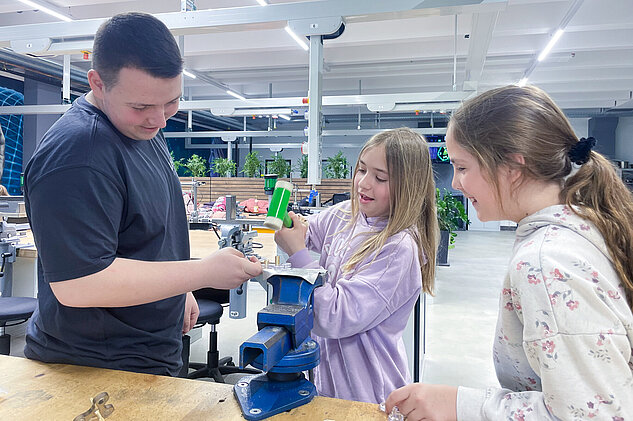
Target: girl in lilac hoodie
{"points": [[379, 250]]}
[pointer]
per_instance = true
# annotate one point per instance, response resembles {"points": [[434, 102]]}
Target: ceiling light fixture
{"points": [[262, 2], [550, 44], [46, 10], [188, 74], [235, 94], [559, 31], [235, 112], [299, 41]]}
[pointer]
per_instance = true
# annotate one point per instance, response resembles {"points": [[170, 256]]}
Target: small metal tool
{"points": [[99, 409]]}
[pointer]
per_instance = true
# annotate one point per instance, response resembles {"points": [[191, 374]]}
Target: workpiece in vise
{"points": [[282, 347], [277, 215]]}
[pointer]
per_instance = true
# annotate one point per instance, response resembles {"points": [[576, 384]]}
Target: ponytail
{"points": [[601, 197], [525, 121]]}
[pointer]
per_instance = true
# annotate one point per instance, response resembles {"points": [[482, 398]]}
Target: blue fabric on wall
{"points": [[12, 128]]}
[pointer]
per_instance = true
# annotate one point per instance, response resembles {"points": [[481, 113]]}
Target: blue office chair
{"points": [[13, 311]]}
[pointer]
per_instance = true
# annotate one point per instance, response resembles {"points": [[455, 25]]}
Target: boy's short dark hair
{"points": [[138, 41]]}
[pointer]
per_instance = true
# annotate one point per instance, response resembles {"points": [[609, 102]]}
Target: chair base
{"points": [[224, 367], [5, 344], [186, 348], [215, 368]]}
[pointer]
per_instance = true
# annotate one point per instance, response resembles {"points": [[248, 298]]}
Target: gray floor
{"points": [[460, 318]]}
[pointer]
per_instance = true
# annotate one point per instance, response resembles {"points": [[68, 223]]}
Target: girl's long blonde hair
{"points": [[512, 120], [411, 199]]}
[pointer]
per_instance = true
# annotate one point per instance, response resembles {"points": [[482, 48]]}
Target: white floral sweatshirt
{"points": [[563, 346]]}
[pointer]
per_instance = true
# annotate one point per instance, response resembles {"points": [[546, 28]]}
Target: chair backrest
{"points": [[218, 295], [340, 197], [210, 312]]}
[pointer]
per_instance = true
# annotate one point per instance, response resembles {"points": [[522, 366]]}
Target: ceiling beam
{"points": [[298, 133], [483, 25], [200, 21], [380, 102]]}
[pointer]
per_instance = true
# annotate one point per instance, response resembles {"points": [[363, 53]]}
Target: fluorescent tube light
{"points": [[46, 10], [522, 82], [262, 2], [294, 36], [250, 111], [424, 107], [235, 94], [550, 45], [284, 116], [188, 74]]}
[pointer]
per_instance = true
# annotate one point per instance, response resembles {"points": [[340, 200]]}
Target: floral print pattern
{"points": [[564, 342]]}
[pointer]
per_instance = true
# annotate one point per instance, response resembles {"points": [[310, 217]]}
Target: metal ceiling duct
{"points": [[39, 69], [52, 73]]}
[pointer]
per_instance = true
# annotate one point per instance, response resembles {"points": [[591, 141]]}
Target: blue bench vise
{"points": [[282, 348]]}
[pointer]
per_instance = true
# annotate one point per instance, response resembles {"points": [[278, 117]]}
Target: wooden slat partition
{"points": [[245, 188], [326, 189]]}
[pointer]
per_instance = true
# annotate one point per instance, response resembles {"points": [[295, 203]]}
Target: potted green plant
{"points": [[223, 166], [279, 166], [337, 166], [252, 165], [196, 165], [178, 164], [450, 212], [302, 166]]}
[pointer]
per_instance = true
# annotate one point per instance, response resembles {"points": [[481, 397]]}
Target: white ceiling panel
{"points": [[399, 51]]}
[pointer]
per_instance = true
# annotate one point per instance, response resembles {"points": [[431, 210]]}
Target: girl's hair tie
{"points": [[579, 153]]}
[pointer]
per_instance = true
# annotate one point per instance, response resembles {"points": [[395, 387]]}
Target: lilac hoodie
{"points": [[360, 315]]}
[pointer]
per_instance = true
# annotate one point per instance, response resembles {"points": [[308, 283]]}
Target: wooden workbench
{"points": [[31, 390], [204, 243]]}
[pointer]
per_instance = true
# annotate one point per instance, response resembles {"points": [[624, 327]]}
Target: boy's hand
{"points": [[191, 313], [228, 268], [291, 240]]}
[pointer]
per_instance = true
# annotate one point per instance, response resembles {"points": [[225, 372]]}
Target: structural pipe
{"points": [[455, 57], [50, 72], [47, 70]]}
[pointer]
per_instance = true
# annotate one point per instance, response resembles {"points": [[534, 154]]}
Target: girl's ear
{"points": [[513, 172], [518, 158]]}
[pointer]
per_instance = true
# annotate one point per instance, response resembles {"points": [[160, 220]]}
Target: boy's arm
{"points": [[76, 231], [128, 282]]}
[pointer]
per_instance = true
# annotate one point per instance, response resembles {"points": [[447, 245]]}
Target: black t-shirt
{"points": [[93, 194]]}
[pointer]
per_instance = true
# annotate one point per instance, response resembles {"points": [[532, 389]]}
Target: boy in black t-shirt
{"points": [[106, 210]]}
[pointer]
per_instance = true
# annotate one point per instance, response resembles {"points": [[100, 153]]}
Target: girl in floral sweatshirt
{"points": [[564, 342], [379, 251]]}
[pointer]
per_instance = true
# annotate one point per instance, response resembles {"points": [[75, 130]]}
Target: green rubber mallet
{"points": [[277, 215]]}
